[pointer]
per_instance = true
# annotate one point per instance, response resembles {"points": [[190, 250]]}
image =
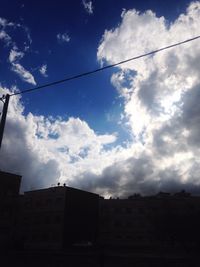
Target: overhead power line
{"points": [[103, 68]]}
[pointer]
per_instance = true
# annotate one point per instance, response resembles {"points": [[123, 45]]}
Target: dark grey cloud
{"points": [[148, 93], [191, 115], [123, 178], [137, 176], [181, 133]]}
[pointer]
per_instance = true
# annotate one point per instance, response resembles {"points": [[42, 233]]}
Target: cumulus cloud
{"points": [[63, 38], [160, 96], [88, 6], [43, 70], [48, 150]]}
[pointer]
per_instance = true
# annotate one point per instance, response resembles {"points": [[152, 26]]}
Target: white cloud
{"points": [[63, 37], [162, 90], [43, 70], [4, 23], [47, 150], [3, 34], [15, 55], [5, 37], [24, 74], [88, 6]]}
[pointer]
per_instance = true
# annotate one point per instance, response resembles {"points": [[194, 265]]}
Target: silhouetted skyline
{"points": [[64, 225]]}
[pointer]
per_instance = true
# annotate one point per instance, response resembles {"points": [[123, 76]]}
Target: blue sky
{"points": [[115, 109], [91, 97]]}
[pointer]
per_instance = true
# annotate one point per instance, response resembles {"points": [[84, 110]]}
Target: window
{"points": [[48, 202], [38, 203], [58, 201], [117, 210], [128, 210], [28, 203], [57, 219], [55, 236], [141, 210], [26, 220], [129, 224], [117, 223], [37, 219], [47, 219]]}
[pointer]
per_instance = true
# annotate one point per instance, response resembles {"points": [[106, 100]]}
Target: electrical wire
{"points": [[103, 68]]}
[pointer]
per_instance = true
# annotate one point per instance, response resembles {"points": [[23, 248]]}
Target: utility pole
{"points": [[5, 100]]}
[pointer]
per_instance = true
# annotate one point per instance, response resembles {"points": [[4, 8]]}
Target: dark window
{"points": [[26, 220], [119, 236], [128, 210], [55, 236], [129, 224], [117, 210], [28, 204], [57, 219], [48, 202], [47, 219], [58, 201], [141, 211], [117, 224], [45, 237], [37, 220], [38, 203]]}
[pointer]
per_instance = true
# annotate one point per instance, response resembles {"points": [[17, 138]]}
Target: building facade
{"points": [[9, 198], [57, 217], [159, 222]]}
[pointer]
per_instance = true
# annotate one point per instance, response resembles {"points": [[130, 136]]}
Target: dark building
{"points": [[58, 223], [58, 217], [9, 196], [161, 222], [127, 223]]}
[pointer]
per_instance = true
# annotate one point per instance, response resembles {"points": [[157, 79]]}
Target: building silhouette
{"points": [[9, 200], [58, 217], [142, 231], [154, 223]]}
